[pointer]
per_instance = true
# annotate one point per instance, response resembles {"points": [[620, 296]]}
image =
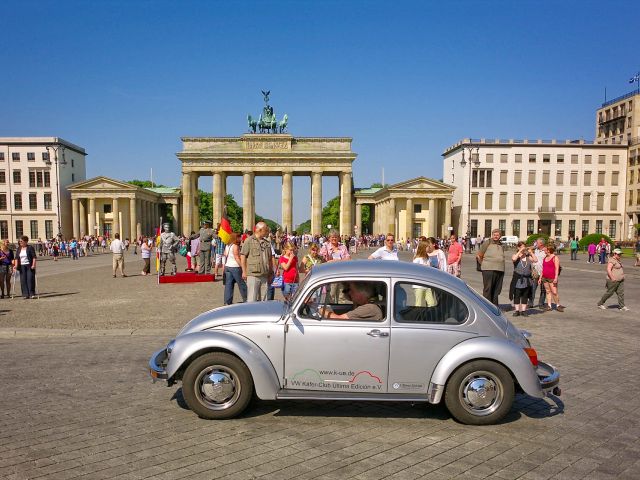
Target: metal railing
{"points": [[622, 97], [546, 209]]}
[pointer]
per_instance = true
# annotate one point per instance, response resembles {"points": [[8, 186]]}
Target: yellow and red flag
{"points": [[225, 230]]}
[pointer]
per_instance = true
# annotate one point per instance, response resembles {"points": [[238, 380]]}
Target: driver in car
{"points": [[363, 296]]}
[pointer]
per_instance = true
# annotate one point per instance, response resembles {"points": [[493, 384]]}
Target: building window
{"points": [[631, 177], [19, 228], [3, 177], [73, 163], [15, 156], [34, 229], [531, 202], [545, 201], [481, 178], [574, 159], [502, 205], [47, 179], [517, 177], [532, 158], [503, 177], [560, 178], [573, 202], [502, 226], [2, 160], [488, 201], [530, 227], [518, 158], [614, 178], [17, 201], [33, 202], [3, 203], [504, 158], [545, 177], [487, 228], [489, 157], [587, 179], [586, 202], [559, 202], [612, 228], [585, 228], [4, 229], [532, 177], [515, 226], [572, 228], [106, 208], [558, 228], [600, 202], [560, 158], [17, 177], [31, 156], [48, 228], [73, 177], [601, 159], [614, 202], [32, 179], [474, 228], [39, 178], [517, 201], [616, 159], [546, 158], [417, 208], [601, 179], [45, 156], [587, 159], [598, 226], [574, 178], [474, 201], [47, 201]]}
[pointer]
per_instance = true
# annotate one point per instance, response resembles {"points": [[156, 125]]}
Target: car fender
{"points": [[512, 356], [265, 378]]}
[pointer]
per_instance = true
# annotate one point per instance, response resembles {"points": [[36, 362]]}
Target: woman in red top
{"points": [[549, 278], [289, 263]]}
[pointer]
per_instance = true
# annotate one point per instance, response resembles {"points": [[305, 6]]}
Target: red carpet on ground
{"points": [[187, 277]]}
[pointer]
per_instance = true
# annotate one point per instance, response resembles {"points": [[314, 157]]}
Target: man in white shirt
{"points": [[117, 248], [386, 252]]}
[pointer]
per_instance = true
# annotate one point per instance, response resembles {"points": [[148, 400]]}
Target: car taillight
{"points": [[533, 355]]}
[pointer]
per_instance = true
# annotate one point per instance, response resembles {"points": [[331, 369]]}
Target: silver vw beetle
{"points": [[358, 330]]}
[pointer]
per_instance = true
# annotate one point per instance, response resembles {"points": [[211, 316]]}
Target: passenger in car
{"points": [[363, 295]]}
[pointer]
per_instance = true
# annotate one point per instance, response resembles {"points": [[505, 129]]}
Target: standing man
{"points": [[256, 262], [615, 281], [168, 243], [455, 256], [117, 248], [574, 248], [386, 252], [491, 258], [204, 257]]}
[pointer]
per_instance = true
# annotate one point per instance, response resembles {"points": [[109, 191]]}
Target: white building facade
{"points": [[34, 174], [563, 188]]}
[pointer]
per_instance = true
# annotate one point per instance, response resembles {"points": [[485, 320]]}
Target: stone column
{"points": [[408, 228], [195, 199], [447, 216], [133, 219], [432, 218], [174, 213], [75, 215], [187, 204], [287, 204], [346, 222], [92, 216], [358, 219], [139, 216], [82, 212], [115, 213], [218, 199], [248, 216], [391, 221], [316, 203]]}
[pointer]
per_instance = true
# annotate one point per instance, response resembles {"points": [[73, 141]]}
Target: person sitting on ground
{"points": [[363, 296]]}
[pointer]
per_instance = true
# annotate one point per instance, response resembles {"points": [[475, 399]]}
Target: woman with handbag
{"points": [[522, 280], [232, 271], [25, 261], [145, 254]]}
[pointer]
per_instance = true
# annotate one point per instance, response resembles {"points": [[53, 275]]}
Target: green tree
{"points": [[144, 183]]}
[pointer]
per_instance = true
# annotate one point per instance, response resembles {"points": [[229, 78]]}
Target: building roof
{"points": [[24, 141], [165, 190]]}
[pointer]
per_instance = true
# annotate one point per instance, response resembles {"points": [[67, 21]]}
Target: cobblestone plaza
{"points": [[77, 400]]}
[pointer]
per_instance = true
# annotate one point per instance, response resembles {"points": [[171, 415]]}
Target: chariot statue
{"points": [[267, 121]]}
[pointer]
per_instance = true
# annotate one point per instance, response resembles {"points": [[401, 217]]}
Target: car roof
{"points": [[384, 268]]}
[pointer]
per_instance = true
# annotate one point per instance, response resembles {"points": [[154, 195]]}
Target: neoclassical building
{"points": [[268, 155], [104, 206], [409, 209]]}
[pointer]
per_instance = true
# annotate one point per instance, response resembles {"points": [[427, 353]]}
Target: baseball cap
{"points": [[618, 251]]}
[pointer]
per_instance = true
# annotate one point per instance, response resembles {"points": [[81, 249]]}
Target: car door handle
{"points": [[377, 333]]}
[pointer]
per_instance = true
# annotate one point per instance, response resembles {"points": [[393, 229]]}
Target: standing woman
{"points": [[549, 278], [145, 254], [6, 267], [288, 261], [26, 262], [522, 281], [437, 257], [232, 271]]}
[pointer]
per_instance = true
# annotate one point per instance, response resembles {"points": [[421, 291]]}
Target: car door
{"points": [[337, 355], [427, 321]]}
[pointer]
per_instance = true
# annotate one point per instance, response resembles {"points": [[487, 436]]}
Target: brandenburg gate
{"points": [[266, 154]]}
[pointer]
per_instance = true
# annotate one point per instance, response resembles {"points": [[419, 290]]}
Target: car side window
{"points": [[336, 296], [419, 303]]}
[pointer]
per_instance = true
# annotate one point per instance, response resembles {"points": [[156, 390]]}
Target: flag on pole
{"points": [[225, 230]]}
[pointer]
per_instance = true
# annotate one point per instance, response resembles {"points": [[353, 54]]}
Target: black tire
{"points": [[479, 393], [216, 398]]}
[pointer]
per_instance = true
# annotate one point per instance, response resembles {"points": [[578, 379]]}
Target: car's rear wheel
{"points": [[479, 393], [217, 386]]}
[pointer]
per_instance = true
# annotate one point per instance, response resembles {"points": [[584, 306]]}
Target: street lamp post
{"points": [[474, 161], [55, 149]]}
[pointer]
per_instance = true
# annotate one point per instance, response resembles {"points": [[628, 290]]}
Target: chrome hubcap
{"points": [[481, 393], [217, 387]]}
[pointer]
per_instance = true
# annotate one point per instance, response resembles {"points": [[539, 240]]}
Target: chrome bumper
{"points": [[549, 378], [157, 364]]}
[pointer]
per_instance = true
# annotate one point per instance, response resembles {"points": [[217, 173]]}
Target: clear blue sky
{"points": [[127, 79]]}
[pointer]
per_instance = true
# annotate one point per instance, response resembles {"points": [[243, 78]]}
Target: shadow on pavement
{"points": [[56, 294]]}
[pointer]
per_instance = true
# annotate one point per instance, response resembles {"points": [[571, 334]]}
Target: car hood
{"points": [[254, 312]]}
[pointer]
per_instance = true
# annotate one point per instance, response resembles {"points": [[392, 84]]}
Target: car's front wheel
{"points": [[217, 386], [479, 393]]}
